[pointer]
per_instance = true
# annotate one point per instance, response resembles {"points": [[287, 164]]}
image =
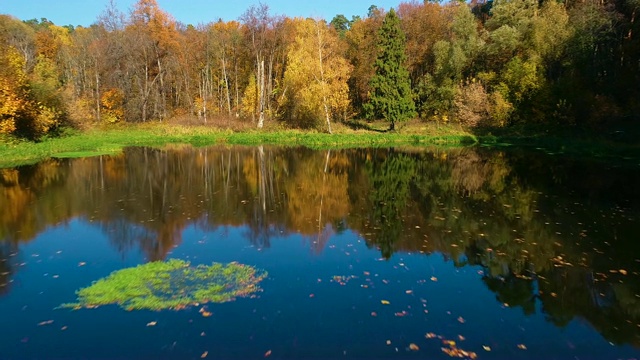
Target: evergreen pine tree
{"points": [[391, 96]]}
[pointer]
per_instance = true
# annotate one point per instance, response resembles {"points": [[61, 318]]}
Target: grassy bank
{"points": [[113, 139], [615, 144]]}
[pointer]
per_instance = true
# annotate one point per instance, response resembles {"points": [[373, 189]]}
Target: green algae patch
{"points": [[170, 285]]}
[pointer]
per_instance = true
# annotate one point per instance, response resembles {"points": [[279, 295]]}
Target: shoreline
{"points": [[112, 140]]}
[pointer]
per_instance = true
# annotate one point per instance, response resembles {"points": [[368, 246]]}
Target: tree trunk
{"points": [[97, 95], [261, 94], [323, 82], [226, 84]]}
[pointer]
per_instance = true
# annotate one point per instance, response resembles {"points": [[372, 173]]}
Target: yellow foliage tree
{"points": [[112, 103], [316, 77], [14, 102], [249, 104]]}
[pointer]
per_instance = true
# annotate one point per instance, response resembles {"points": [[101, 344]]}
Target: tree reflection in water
{"points": [[549, 230]]}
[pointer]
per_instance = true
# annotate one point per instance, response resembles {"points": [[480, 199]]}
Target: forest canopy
{"points": [[480, 63]]}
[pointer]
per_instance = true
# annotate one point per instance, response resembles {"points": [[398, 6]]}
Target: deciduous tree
{"points": [[316, 76], [153, 37]]}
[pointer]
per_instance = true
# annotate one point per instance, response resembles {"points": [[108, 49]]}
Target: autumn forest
{"points": [[478, 64]]}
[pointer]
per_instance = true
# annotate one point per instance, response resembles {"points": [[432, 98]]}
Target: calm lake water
{"points": [[370, 253]]}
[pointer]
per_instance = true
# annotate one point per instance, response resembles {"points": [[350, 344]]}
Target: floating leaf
{"points": [[456, 352], [48, 322], [388, 342], [204, 355], [522, 347], [152, 323], [433, 278], [486, 348], [268, 353], [414, 347], [385, 302]]}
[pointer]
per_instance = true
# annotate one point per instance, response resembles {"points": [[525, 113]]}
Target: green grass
{"points": [[112, 140]]}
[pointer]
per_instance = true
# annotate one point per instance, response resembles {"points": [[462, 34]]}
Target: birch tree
{"points": [[316, 76]]}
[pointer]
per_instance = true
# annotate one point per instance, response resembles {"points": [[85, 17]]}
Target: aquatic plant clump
{"points": [[172, 284]]}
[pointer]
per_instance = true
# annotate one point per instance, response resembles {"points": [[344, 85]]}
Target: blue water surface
{"points": [[313, 305], [370, 254]]}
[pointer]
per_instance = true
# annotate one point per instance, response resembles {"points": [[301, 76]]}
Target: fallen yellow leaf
{"points": [[152, 323], [385, 302], [204, 355], [522, 347], [486, 348], [413, 347]]}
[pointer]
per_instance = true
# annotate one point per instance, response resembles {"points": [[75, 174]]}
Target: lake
{"points": [[368, 253]]}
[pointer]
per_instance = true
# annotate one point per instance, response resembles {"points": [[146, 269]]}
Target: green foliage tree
{"points": [[452, 57], [341, 24], [391, 96]]}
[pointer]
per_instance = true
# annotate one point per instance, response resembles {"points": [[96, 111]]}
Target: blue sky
{"points": [[85, 12]]}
